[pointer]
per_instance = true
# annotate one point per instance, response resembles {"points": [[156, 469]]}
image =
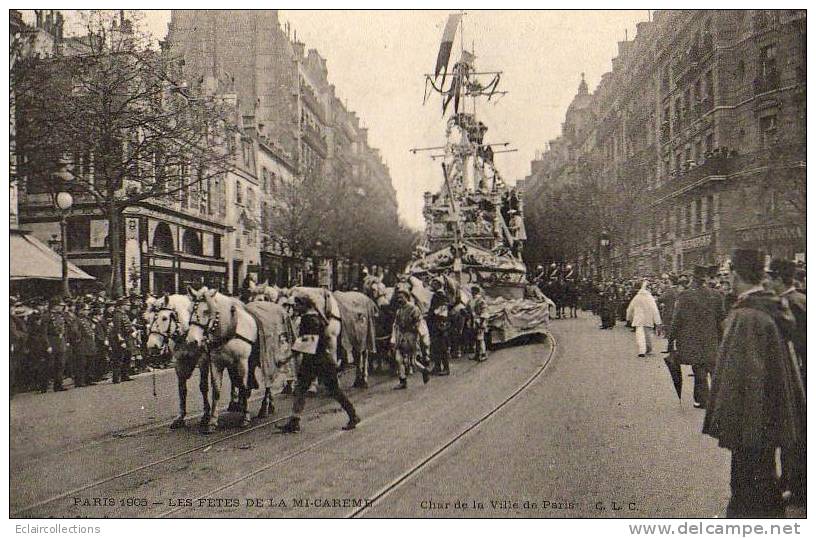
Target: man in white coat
{"points": [[644, 316]]}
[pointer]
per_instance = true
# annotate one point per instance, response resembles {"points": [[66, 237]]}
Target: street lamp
{"points": [[64, 201]]}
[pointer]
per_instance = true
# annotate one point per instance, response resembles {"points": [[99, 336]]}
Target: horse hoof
{"points": [[245, 422], [208, 429], [178, 423]]}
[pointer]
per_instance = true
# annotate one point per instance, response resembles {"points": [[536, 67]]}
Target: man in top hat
{"points": [[695, 331], [781, 273], [756, 402]]}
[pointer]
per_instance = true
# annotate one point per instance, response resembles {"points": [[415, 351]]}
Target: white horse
{"points": [[264, 292], [221, 325], [167, 320]]}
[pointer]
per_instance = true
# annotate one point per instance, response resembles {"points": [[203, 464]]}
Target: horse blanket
{"points": [[358, 315], [322, 299], [276, 335], [509, 319]]}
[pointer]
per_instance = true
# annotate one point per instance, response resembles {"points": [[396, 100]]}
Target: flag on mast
{"points": [[447, 43]]}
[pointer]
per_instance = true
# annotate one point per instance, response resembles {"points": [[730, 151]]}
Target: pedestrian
{"points": [[643, 315], [74, 332], [58, 346], [480, 318], [695, 331], [439, 329], [18, 344], [99, 364], [667, 300], [85, 348], [316, 363], [794, 461], [119, 340], [756, 403], [781, 275]]}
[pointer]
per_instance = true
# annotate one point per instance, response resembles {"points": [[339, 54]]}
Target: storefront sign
{"points": [[770, 233], [696, 242]]}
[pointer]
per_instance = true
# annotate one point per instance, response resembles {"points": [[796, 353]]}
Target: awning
{"points": [[31, 258]]}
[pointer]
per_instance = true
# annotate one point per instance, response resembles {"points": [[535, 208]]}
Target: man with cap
{"points": [[99, 364], [316, 363], [439, 328], [56, 332], [478, 306], [406, 338], [695, 331], [74, 336], [119, 340], [84, 348], [756, 402], [794, 462]]}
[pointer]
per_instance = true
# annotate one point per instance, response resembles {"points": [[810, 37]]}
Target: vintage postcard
{"points": [[408, 264]]}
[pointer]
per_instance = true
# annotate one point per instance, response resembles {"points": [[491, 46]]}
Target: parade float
{"points": [[474, 223]]}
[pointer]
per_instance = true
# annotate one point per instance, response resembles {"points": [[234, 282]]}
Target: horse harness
{"points": [[173, 328], [209, 328]]}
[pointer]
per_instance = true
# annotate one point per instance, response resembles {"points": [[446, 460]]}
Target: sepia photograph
{"points": [[408, 264]]}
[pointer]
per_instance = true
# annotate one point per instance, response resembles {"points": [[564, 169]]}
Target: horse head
{"points": [[204, 316], [376, 290]]}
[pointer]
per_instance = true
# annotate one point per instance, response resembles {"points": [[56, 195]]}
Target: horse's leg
{"points": [[183, 373], [235, 396], [362, 369], [216, 376], [267, 405], [242, 379], [204, 387]]}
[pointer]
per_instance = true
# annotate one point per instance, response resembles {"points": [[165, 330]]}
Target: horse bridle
{"points": [[207, 328], [173, 328]]}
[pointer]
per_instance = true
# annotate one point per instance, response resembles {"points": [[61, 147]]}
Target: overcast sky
{"points": [[376, 60]]}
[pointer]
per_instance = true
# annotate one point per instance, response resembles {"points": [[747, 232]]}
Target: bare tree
{"points": [[110, 119]]}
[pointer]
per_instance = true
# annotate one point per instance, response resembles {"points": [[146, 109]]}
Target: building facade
{"points": [[705, 113]]}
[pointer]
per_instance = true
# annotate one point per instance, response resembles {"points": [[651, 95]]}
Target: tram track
{"points": [[291, 455], [160, 426], [404, 476], [444, 447]]}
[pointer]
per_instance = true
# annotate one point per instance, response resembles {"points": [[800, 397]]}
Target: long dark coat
{"points": [[695, 327], [666, 303], [757, 400]]}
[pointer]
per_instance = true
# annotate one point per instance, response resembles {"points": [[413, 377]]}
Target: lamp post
{"points": [[64, 201], [604, 242]]}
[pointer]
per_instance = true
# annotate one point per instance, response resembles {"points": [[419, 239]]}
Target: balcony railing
{"points": [[316, 140], [724, 163]]}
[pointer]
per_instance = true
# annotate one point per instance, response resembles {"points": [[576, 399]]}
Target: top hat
{"points": [[784, 269], [747, 261], [700, 271]]}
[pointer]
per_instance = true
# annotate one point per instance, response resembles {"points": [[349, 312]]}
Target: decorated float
{"points": [[474, 223]]}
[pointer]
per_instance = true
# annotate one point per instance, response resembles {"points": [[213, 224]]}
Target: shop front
{"points": [[775, 240], [698, 250]]}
